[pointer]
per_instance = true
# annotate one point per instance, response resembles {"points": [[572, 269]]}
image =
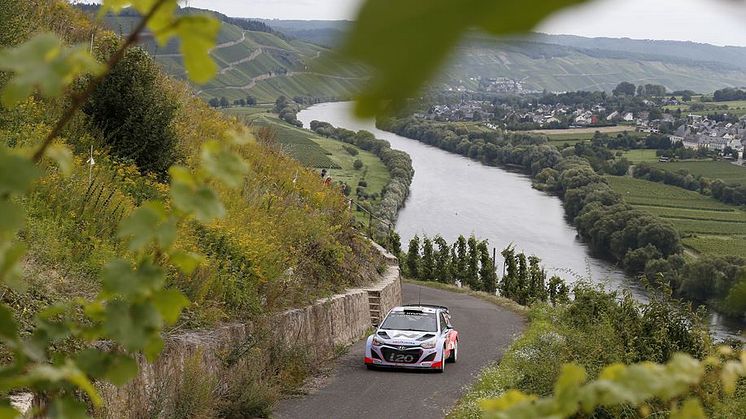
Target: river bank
{"points": [[452, 195]]}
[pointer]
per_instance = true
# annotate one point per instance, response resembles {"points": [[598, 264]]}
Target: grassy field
{"points": [[572, 136], [707, 226], [734, 107], [641, 156], [725, 171], [571, 133]]}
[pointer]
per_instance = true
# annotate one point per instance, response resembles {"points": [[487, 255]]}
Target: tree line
{"points": [[729, 93], [734, 194], [398, 163], [641, 243], [469, 262]]}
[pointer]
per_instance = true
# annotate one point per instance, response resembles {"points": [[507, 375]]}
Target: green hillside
{"points": [[259, 62], [545, 65], [276, 57]]}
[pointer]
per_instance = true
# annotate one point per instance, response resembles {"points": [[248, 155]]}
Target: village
{"points": [[717, 132]]}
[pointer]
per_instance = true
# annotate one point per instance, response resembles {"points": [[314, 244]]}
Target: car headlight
{"points": [[377, 342], [430, 344]]}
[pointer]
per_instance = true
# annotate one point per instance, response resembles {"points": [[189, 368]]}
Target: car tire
{"points": [[442, 368], [454, 354], [370, 367]]}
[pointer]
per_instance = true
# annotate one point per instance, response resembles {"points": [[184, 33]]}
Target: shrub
{"points": [[135, 115], [351, 150], [358, 164]]}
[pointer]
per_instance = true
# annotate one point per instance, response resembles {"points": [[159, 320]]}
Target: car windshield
{"points": [[415, 321]]}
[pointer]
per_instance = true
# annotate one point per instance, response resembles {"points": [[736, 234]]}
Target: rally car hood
{"points": [[404, 337]]}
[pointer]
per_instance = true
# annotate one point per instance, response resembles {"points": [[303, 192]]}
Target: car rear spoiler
{"points": [[428, 306]]}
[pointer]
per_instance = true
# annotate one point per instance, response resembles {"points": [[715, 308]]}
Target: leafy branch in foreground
{"points": [[134, 304], [634, 385], [405, 42]]}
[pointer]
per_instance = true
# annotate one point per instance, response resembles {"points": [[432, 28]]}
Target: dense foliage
{"points": [[134, 115], [729, 93], [598, 328]]}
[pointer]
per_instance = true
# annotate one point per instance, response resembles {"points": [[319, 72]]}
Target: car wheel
{"points": [[442, 368], [454, 353], [370, 366]]}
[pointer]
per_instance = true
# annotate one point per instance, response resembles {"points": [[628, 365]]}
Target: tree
{"points": [[508, 281], [224, 102], [487, 273], [624, 89], [537, 290], [459, 261], [427, 264], [214, 102], [134, 115], [472, 266], [250, 100], [521, 284], [281, 103], [413, 258], [442, 261], [357, 164]]}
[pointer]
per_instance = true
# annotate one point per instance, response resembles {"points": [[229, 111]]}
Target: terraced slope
{"points": [[261, 64]]}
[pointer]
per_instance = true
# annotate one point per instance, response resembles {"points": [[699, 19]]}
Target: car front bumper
{"points": [[426, 358]]}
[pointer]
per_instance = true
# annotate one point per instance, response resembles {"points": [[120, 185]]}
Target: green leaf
{"points": [[68, 372], [405, 42], [131, 325], [187, 262], [12, 217], [45, 64], [16, 173], [690, 409], [153, 348], [63, 156], [148, 223], [67, 408], [170, 303], [202, 202], [116, 368], [10, 270], [7, 412], [224, 165], [8, 327], [198, 34], [118, 278]]}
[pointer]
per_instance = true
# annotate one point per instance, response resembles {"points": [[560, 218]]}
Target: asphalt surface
{"points": [[352, 391]]}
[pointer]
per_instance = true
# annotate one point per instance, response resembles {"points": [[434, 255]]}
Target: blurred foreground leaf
{"points": [[406, 41]]}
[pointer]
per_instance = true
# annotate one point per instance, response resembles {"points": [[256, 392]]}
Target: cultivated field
{"points": [[707, 226], [297, 143], [323, 153], [641, 156], [725, 171], [583, 132], [734, 107]]}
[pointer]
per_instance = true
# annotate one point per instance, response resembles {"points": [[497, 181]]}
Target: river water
{"points": [[452, 195]]}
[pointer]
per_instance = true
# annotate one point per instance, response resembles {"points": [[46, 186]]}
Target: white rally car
{"points": [[413, 336]]}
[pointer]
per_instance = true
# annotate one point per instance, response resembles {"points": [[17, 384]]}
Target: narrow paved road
{"points": [[485, 331]]}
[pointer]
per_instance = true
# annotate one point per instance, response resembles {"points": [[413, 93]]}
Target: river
{"points": [[452, 195]]}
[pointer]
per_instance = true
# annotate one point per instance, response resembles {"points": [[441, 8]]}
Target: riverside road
{"points": [[352, 391]]}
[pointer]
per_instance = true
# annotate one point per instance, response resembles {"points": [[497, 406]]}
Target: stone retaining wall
{"points": [[320, 329]]}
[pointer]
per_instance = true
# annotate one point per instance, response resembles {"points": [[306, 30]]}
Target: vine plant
{"points": [[133, 305]]}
